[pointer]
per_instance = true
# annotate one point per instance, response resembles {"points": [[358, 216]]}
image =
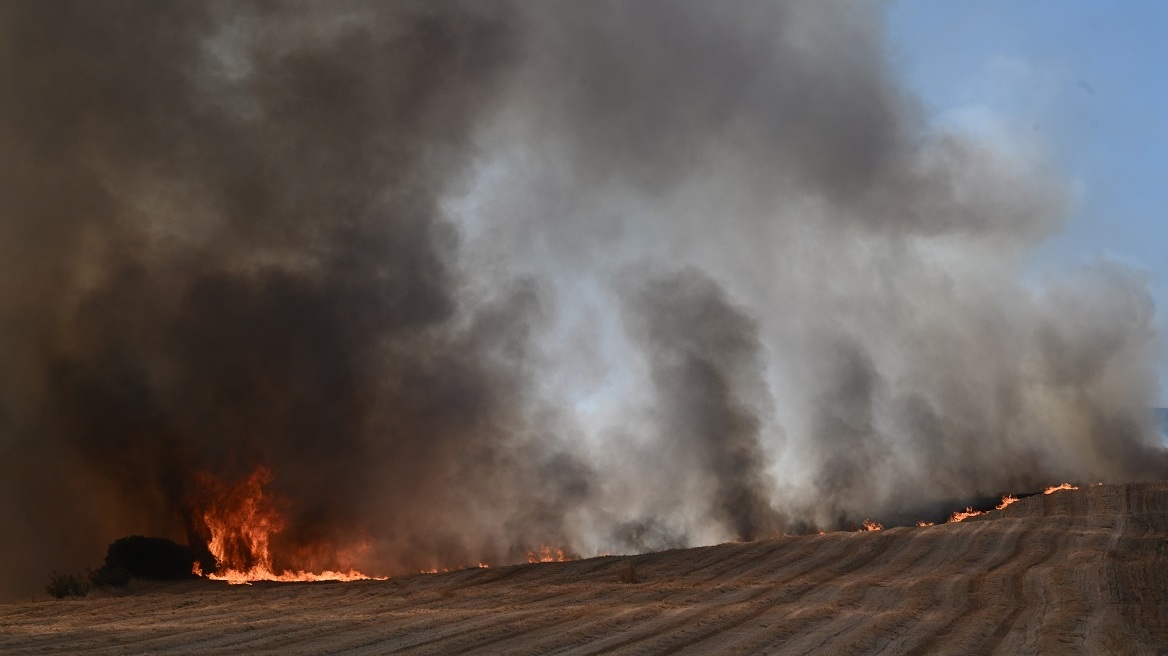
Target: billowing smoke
{"points": [[472, 277], [224, 250], [705, 367]]}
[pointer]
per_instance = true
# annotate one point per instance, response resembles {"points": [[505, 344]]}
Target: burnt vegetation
{"points": [[627, 572]]}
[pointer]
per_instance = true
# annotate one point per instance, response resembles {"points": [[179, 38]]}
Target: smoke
{"points": [[705, 368], [472, 277], [226, 251]]}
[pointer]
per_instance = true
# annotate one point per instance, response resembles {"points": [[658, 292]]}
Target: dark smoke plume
{"points": [[704, 363], [471, 277], [225, 250]]}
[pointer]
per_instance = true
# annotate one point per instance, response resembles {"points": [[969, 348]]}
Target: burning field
{"points": [[349, 291], [1078, 571]]}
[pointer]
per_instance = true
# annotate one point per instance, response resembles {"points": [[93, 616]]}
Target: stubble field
{"points": [[1081, 571]]}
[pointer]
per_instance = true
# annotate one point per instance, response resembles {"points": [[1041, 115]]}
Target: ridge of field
{"points": [[1078, 571]]}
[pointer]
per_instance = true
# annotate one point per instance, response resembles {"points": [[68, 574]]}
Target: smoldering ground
{"points": [[472, 277]]}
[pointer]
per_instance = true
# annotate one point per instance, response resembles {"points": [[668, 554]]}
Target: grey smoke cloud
{"points": [[705, 367], [473, 277]]}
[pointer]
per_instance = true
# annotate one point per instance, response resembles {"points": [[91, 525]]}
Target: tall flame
{"points": [[241, 521]]}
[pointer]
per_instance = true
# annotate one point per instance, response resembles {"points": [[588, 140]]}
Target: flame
{"points": [[1055, 488], [445, 570], [870, 525], [241, 522], [962, 515], [547, 554]]}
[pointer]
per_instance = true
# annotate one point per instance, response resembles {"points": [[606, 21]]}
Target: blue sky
{"points": [[1086, 81]]}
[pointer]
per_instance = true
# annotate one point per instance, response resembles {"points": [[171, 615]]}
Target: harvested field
{"points": [[1083, 571]]}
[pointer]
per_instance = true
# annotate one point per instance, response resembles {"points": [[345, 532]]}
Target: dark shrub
{"points": [[145, 558], [106, 576], [67, 585]]}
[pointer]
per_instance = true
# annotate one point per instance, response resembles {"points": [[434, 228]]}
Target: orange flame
{"points": [[870, 525], [445, 570], [962, 515], [1006, 500], [241, 522], [1055, 488], [924, 523], [547, 554]]}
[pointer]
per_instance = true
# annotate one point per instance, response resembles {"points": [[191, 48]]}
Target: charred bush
{"points": [[627, 573], [67, 585], [145, 558]]}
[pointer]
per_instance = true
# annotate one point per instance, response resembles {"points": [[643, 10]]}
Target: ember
{"points": [[1006, 501], [962, 515], [547, 554]]}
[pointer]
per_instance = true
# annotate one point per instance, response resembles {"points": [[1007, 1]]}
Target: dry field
{"points": [[1074, 572]]}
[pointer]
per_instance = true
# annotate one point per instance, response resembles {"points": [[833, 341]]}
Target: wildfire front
{"points": [[240, 521]]}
